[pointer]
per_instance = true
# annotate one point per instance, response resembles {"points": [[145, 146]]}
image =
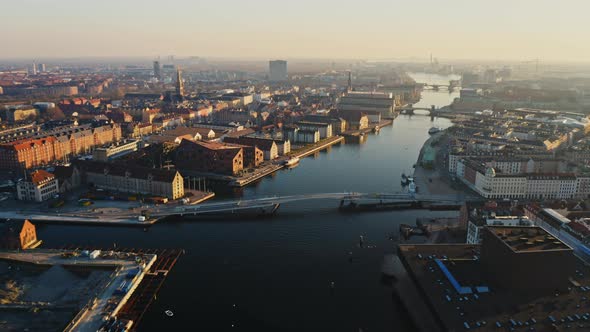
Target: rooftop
{"points": [[526, 239], [490, 309]]}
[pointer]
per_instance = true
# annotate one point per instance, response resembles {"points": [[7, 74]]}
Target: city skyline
{"points": [[377, 30]]}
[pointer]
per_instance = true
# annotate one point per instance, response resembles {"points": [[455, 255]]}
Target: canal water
{"points": [[275, 274]]}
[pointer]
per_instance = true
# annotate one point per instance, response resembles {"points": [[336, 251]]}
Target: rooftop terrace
{"points": [[526, 239]]}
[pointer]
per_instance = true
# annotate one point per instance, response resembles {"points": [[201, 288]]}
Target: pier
{"points": [[301, 153]]}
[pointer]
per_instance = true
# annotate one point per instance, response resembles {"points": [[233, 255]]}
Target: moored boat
{"points": [[291, 162], [434, 130]]}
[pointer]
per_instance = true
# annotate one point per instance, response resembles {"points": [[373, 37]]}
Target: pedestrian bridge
{"points": [[231, 205]]}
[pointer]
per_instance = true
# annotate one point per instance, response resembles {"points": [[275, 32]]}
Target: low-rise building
{"points": [[269, 147], [209, 157], [20, 113], [308, 136], [494, 285], [355, 120], [490, 183], [324, 128], [18, 234], [39, 186], [360, 101], [115, 151], [68, 178], [167, 122], [132, 179]]}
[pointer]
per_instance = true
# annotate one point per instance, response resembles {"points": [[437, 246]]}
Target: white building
{"points": [[115, 151], [474, 231], [39, 187], [491, 184]]}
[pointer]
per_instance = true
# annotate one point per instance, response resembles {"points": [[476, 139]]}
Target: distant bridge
{"points": [[410, 109]]}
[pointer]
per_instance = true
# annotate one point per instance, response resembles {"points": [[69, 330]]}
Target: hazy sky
{"points": [[464, 29]]}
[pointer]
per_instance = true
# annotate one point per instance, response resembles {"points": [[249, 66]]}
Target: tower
{"points": [[349, 81], [34, 69], [278, 71], [179, 83], [157, 73]]}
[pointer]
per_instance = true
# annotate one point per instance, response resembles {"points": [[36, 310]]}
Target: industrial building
{"points": [[517, 278], [357, 101]]}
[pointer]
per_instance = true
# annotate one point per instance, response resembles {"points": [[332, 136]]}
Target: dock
{"points": [[68, 218], [307, 151], [355, 136], [146, 290], [104, 298], [301, 153]]}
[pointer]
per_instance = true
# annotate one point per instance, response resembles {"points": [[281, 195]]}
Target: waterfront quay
{"points": [[93, 284], [89, 219], [269, 168]]}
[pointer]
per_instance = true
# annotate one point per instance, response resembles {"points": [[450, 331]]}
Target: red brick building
{"points": [[27, 153], [33, 152], [210, 157]]}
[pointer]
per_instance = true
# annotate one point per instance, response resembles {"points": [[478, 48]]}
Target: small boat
{"points": [[434, 130], [291, 162]]}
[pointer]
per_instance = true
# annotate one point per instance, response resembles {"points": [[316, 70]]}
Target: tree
{"points": [[54, 113]]}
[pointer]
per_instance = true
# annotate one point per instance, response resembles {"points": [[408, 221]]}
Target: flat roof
{"points": [[486, 306], [527, 239], [103, 291]]}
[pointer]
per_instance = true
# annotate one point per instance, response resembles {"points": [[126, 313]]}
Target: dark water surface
{"points": [[275, 275]]}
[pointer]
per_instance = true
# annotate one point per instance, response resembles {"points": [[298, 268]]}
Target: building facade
{"points": [[278, 70], [491, 184], [132, 179], [269, 147], [39, 187], [209, 157]]}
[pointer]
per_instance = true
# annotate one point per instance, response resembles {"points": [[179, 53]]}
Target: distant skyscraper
{"points": [[157, 73], [41, 67], [179, 83], [349, 81], [34, 68], [278, 70]]}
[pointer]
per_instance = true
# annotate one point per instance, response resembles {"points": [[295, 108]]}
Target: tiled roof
{"points": [[40, 176], [119, 169]]}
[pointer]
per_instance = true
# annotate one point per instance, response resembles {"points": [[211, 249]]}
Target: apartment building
{"points": [[39, 186]]}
